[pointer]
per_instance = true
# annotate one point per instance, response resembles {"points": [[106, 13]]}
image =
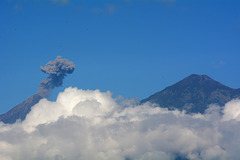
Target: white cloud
{"points": [[232, 110], [86, 124]]}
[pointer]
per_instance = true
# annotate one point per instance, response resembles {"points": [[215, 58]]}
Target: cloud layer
{"points": [[87, 124]]}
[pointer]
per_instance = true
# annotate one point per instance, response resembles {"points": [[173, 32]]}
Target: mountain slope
{"points": [[194, 94], [20, 111]]}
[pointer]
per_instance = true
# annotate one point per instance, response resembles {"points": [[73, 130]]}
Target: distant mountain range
{"points": [[193, 94]]}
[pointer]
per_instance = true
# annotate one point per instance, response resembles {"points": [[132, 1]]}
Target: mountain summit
{"points": [[193, 94]]}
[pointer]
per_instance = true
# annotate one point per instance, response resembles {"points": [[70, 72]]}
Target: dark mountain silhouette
{"points": [[20, 111], [194, 94]]}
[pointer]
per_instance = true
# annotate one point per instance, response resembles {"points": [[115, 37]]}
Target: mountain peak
{"points": [[193, 94], [198, 77]]}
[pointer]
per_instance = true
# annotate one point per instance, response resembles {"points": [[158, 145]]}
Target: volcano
{"points": [[20, 111], [194, 94]]}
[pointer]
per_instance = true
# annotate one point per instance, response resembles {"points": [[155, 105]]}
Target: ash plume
{"points": [[57, 70]]}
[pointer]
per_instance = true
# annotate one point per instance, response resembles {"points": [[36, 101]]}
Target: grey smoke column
{"points": [[57, 70]]}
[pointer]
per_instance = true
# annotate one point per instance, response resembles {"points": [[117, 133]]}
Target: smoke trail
{"points": [[57, 70]]}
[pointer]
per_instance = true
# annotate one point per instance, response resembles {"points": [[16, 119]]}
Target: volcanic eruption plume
{"points": [[57, 70]]}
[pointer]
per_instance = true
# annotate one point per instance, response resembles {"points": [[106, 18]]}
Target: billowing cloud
{"points": [[232, 110], [87, 124]]}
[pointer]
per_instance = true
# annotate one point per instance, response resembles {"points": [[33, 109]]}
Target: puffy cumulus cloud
{"points": [[232, 110], [86, 124], [91, 105]]}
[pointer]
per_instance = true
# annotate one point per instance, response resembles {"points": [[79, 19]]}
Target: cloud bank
{"points": [[89, 124]]}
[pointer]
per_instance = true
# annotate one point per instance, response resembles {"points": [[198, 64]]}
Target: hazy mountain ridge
{"points": [[193, 94]]}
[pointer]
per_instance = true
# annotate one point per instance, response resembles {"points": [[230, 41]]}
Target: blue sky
{"points": [[131, 48]]}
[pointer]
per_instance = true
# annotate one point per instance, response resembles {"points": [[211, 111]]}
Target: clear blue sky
{"points": [[131, 48]]}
